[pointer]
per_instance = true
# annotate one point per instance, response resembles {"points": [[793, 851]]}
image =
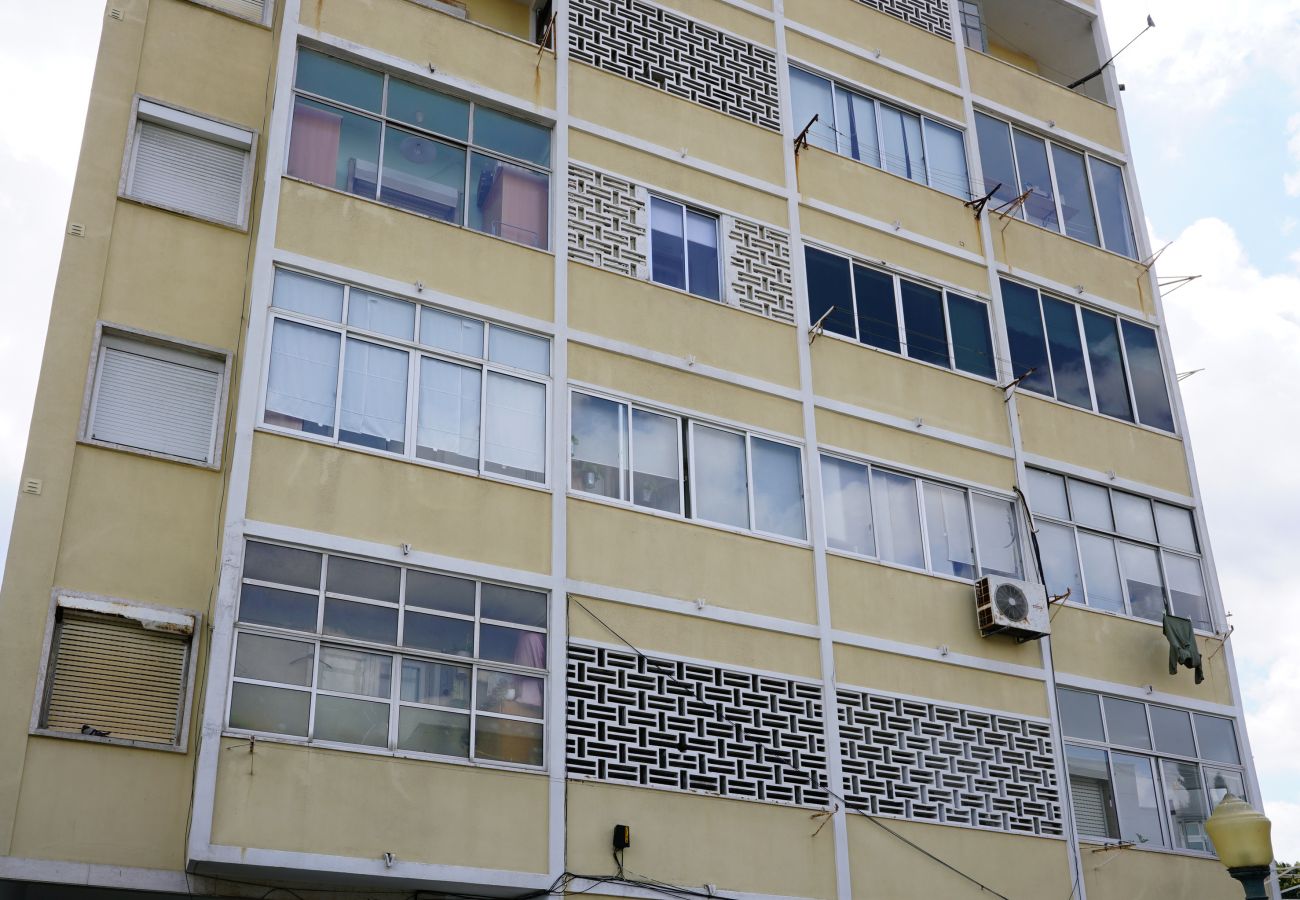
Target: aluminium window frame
{"points": [[415, 353], [686, 208], [384, 122], [398, 653]]}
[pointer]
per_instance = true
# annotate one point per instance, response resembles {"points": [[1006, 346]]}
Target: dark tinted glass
{"points": [[829, 288], [667, 243], [428, 109], [1126, 720], [1076, 200], [927, 335], [338, 80], [432, 591], [1148, 376], [1107, 366], [283, 565], [972, 343], [1035, 177], [510, 604], [1025, 333], [1217, 738], [439, 634], [877, 313], [1068, 368], [512, 136], [361, 621], [363, 579], [283, 609], [995, 156], [1080, 714]]}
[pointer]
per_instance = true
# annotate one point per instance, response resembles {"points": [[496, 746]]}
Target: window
{"points": [[246, 9], [871, 131], [350, 651], [156, 397], [917, 523], [1118, 551], [118, 672], [897, 314], [1069, 192], [355, 367], [379, 137], [684, 248], [189, 164], [675, 465], [1090, 359], [1146, 773], [972, 25]]}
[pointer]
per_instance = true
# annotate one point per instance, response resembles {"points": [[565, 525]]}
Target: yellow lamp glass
{"points": [[1241, 834]]}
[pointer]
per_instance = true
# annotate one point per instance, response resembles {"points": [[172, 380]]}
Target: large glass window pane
{"points": [[719, 476], [597, 449], [447, 423], [811, 96], [1146, 589], [334, 147], [437, 684], [1101, 572], [995, 156], [1173, 730], [529, 352], [515, 443], [286, 565], [429, 590], [1221, 782], [1107, 367], [830, 292], [897, 518], [1126, 723], [1047, 494], [423, 175], [1112, 205], [1148, 376], [274, 659], [445, 331], [656, 462], [1133, 516], [428, 109], [1187, 590], [373, 410], [514, 695], [281, 609], [512, 604], [1185, 797], [1080, 714], [433, 731], [972, 342], [351, 721], [512, 136], [360, 578], [947, 156], [855, 118], [1135, 798], [778, 488], [1068, 369], [703, 267], [1217, 738], [1036, 178], [1176, 527], [256, 707], [311, 296], [508, 740], [363, 621], [1076, 199], [1025, 334], [339, 80], [355, 672], [927, 333], [1060, 558], [667, 243], [509, 201], [1091, 505], [877, 311], [947, 526], [901, 143], [998, 536], [846, 492], [303, 382], [441, 634], [1090, 791], [513, 645]]}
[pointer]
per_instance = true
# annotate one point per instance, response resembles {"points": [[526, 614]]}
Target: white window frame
{"points": [[166, 348], [146, 109], [685, 208], [415, 352], [175, 618]]}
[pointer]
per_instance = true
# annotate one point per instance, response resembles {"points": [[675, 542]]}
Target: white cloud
{"points": [[1291, 180]]}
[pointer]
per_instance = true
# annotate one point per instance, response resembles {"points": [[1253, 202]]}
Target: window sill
{"points": [[1089, 412], [1098, 845], [214, 466], [428, 464], [237, 227], [309, 744], [854, 342], [111, 741], [703, 523]]}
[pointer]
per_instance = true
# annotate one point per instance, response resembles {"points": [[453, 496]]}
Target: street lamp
{"points": [[1241, 837]]}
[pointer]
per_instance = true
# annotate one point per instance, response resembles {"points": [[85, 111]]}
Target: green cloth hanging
{"points": [[1182, 646]]}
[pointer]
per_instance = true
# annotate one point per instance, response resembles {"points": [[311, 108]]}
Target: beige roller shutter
{"points": [[249, 9], [115, 676]]}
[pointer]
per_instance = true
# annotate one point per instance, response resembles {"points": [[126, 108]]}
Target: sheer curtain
{"points": [[374, 396], [449, 413], [515, 442], [304, 376]]}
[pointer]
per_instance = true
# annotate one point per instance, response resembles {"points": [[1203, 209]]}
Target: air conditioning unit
{"points": [[1009, 606]]}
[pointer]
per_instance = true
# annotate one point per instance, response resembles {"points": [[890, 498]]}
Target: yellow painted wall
{"points": [[1131, 652], [421, 36], [1028, 250], [1015, 57], [673, 387], [510, 16], [309, 799], [683, 560], [395, 244], [870, 30], [1142, 875], [1096, 442], [334, 490], [696, 636], [939, 681], [657, 318], [891, 603], [696, 840]]}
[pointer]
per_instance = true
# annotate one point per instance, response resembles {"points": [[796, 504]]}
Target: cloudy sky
{"points": [[1213, 105]]}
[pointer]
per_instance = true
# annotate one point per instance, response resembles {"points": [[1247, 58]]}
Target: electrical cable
{"points": [[605, 625]]}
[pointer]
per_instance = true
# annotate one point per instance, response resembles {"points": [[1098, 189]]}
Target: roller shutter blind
{"points": [[1089, 796], [115, 676], [157, 400], [249, 9], [187, 172]]}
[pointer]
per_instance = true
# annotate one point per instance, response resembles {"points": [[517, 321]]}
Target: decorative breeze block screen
{"points": [[686, 58], [759, 263], [606, 222], [932, 15], [935, 763], [664, 723]]}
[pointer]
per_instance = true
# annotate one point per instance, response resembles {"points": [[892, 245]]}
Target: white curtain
{"points": [[374, 391], [304, 373], [898, 519], [384, 315], [516, 426], [449, 409], [721, 493], [304, 294], [951, 551]]}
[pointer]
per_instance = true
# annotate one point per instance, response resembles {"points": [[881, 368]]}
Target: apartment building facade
{"points": [[467, 427]]}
